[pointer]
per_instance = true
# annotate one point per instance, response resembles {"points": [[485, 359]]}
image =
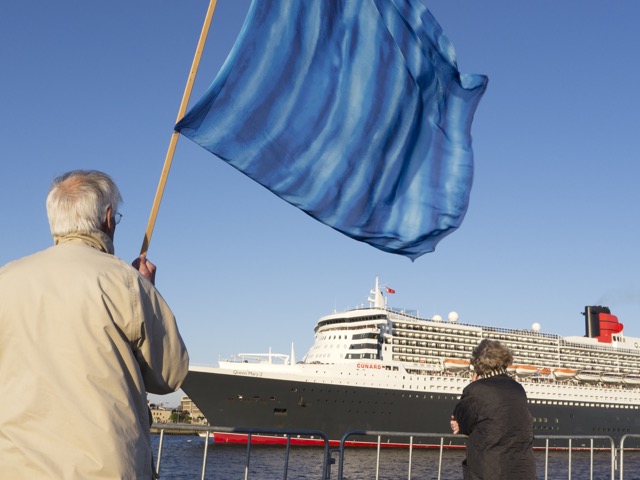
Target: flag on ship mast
{"points": [[353, 111]]}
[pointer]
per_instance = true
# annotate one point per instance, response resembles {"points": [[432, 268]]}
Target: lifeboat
{"points": [[588, 376], [612, 377], [544, 371], [631, 379], [511, 369], [525, 370], [564, 373], [455, 364]]}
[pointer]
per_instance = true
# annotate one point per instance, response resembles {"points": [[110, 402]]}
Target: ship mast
{"points": [[378, 301]]}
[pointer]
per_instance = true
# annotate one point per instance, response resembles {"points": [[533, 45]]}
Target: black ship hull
{"points": [[231, 400]]}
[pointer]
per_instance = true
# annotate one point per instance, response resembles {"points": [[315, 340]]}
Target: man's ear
{"points": [[109, 225]]}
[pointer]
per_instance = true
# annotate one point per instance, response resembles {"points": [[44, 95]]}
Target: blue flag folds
{"points": [[351, 110]]}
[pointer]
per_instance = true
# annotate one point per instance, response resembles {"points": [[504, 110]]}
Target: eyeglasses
{"points": [[117, 217]]}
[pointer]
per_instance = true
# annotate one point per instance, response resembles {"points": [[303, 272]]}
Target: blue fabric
{"points": [[351, 110]]}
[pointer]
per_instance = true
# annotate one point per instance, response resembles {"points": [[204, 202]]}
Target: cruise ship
{"points": [[379, 368]]}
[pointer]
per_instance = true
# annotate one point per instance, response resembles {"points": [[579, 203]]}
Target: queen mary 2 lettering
{"points": [[384, 369]]}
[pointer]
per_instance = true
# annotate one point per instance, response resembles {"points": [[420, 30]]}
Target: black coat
{"points": [[493, 412]]}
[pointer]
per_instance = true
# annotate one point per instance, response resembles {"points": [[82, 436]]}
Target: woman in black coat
{"points": [[493, 412]]}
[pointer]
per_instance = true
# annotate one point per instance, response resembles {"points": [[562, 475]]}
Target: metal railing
{"points": [[440, 437], [440, 444], [568, 443], [622, 442], [327, 459], [571, 447]]}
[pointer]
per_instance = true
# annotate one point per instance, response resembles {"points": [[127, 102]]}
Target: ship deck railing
{"points": [[544, 444]]}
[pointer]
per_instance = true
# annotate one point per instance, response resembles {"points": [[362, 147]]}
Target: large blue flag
{"points": [[353, 111]]}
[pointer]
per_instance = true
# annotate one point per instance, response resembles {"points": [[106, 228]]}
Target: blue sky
{"points": [[552, 224]]}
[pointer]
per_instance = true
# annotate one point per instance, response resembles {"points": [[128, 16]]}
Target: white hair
{"points": [[78, 202]]}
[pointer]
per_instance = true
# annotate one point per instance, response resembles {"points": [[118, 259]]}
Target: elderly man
{"points": [[83, 337]]}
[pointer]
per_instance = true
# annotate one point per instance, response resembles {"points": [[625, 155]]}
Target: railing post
{"points": [[569, 459], [410, 455], [613, 459], [341, 458], [546, 459], [591, 459], [246, 465], [622, 457], [378, 460], [286, 457], [159, 453], [328, 461], [440, 458], [206, 449]]}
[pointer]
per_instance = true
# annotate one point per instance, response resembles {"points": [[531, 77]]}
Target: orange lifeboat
{"points": [[564, 373], [456, 364], [588, 376], [525, 370]]}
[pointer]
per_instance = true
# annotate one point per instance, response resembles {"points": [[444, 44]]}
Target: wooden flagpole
{"points": [[174, 136]]}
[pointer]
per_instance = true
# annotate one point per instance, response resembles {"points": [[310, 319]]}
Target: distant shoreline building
{"points": [[160, 414], [186, 412], [197, 417]]}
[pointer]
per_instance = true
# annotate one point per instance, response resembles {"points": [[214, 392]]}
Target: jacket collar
{"points": [[493, 373], [98, 240]]}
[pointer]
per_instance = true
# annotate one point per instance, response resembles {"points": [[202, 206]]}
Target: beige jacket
{"points": [[82, 337]]}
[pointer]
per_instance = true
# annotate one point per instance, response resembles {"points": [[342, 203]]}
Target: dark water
{"points": [[182, 459]]}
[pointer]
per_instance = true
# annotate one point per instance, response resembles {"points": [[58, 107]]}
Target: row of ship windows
{"points": [[401, 336], [420, 350], [611, 429], [351, 346], [542, 360], [429, 328], [351, 356], [328, 355], [601, 347], [326, 333], [454, 341], [348, 320], [584, 404], [544, 420], [356, 356], [583, 351], [576, 354], [543, 339], [423, 359], [511, 341], [524, 336], [460, 379], [595, 429], [626, 366], [419, 343]]}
